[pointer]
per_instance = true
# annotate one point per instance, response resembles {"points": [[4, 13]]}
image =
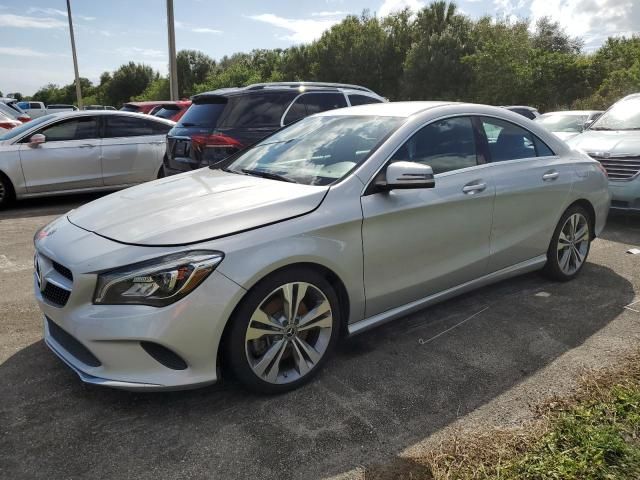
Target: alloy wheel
{"points": [[573, 244], [289, 333]]}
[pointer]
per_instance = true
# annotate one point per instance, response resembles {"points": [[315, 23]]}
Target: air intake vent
{"points": [[62, 270], [71, 345], [164, 356], [56, 295]]}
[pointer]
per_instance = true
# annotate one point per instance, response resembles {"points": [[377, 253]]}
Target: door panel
{"points": [[131, 153], [527, 207], [68, 160], [532, 186], [420, 242]]}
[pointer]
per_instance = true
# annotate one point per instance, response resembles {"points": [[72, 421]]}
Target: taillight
{"points": [[8, 125], [217, 140], [211, 149]]}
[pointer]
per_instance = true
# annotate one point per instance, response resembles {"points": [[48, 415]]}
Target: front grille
{"points": [[62, 270], [56, 295], [623, 168], [71, 345]]}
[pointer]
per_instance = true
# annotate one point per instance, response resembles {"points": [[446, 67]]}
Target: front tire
{"points": [[570, 245], [284, 331], [6, 192]]}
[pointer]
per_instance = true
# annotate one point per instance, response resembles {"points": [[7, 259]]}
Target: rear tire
{"points": [[6, 192], [569, 245], [273, 348]]}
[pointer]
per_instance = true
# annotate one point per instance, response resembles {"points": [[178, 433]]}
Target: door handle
{"points": [[472, 188], [550, 176], [87, 145]]}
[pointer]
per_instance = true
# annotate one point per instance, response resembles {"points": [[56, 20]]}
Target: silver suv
{"points": [[614, 140]]}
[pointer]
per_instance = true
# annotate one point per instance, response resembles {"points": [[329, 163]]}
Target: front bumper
{"points": [[625, 195], [191, 328]]}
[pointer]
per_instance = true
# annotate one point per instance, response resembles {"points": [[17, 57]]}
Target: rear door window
{"points": [[508, 141], [82, 128], [296, 112], [356, 99], [321, 102], [124, 126]]}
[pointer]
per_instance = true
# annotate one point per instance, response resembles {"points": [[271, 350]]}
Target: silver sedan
{"points": [[79, 152], [336, 224]]}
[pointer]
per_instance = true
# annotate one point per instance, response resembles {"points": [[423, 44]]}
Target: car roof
{"points": [[300, 87], [387, 109], [81, 113], [572, 112], [519, 106]]}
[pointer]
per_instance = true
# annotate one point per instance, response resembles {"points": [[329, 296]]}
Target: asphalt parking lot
{"points": [[493, 351]]}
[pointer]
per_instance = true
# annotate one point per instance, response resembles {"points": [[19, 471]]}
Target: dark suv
{"points": [[221, 122]]}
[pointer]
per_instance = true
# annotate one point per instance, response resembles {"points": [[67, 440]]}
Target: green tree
{"points": [[193, 68], [157, 90], [128, 81], [434, 67]]}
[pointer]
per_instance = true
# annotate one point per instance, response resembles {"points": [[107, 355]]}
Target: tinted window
{"points": [[321, 102], [362, 100], [16, 132], [296, 112], [122, 126], [167, 111], [444, 145], [160, 128], [508, 141], [35, 105], [204, 113], [129, 108], [542, 149], [77, 129], [256, 110]]}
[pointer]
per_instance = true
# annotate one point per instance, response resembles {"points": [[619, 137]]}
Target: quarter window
{"points": [[255, 110], [508, 141], [123, 126], [445, 145], [321, 102], [82, 128]]}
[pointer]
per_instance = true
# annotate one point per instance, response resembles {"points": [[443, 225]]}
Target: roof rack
{"points": [[259, 86]]}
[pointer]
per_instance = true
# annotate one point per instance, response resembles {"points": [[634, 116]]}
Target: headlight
{"points": [[156, 282]]}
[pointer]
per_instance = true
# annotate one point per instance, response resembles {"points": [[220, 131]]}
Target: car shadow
{"points": [[384, 391], [56, 205], [622, 228]]}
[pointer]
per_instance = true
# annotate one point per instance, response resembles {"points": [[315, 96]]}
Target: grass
{"points": [[592, 435]]}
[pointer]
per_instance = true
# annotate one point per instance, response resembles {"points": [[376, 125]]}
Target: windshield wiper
{"points": [[601, 128], [269, 175]]}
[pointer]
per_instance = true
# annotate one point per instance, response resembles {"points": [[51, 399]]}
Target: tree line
{"points": [[436, 54]]}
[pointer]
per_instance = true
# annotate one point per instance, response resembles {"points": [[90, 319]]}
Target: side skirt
{"points": [[384, 317]]}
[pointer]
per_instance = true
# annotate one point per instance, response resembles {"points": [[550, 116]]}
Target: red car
{"points": [[7, 123], [160, 108]]}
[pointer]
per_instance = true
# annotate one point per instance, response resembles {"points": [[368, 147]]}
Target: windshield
{"points": [[562, 122], [129, 108], [624, 115], [166, 112], [316, 150], [16, 132]]}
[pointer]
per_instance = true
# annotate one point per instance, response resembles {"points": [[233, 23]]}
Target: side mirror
{"points": [[587, 124], [37, 139], [405, 175]]}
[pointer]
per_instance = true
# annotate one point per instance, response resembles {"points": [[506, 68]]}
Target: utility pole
{"points": [[173, 64], [75, 57]]}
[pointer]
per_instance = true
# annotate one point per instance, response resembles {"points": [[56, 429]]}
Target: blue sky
{"points": [[35, 48]]}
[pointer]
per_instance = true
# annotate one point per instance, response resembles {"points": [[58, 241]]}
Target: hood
{"points": [[194, 207], [615, 142], [565, 135]]}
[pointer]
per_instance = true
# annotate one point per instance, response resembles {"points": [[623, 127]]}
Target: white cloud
{"points": [[301, 30], [593, 20], [391, 6], [142, 52], [195, 29], [55, 11], [20, 21], [21, 52], [336, 13]]}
